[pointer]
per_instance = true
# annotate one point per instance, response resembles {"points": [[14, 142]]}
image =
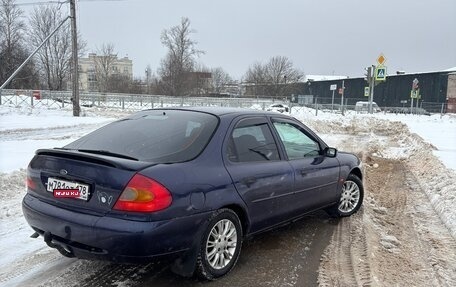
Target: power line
{"points": [[101, 0], [41, 3], [62, 2]]}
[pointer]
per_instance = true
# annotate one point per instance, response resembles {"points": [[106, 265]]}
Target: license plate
{"points": [[54, 183]]}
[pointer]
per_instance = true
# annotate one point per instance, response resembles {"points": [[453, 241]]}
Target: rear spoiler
{"points": [[111, 161]]}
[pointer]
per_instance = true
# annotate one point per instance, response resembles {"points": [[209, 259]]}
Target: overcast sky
{"points": [[320, 37]]}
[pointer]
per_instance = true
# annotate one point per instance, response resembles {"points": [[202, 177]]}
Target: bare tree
{"points": [[12, 48], [282, 75], [276, 78], [104, 64], [256, 74], [119, 83], [220, 78], [55, 56], [179, 62]]}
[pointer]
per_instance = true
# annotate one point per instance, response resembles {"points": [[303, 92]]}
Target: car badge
{"points": [[63, 172]]}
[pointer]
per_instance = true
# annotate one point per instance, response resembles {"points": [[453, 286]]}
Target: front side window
{"points": [[252, 143], [297, 144]]}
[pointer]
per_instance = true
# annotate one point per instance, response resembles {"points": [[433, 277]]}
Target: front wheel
{"points": [[351, 198], [220, 246]]}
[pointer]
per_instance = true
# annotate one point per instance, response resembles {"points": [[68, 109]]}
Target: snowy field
{"points": [[426, 144]]}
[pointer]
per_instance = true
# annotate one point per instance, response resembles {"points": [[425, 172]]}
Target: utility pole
{"points": [[74, 36]]}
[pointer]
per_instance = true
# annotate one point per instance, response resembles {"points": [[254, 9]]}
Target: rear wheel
{"points": [[351, 198], [220, 246]]}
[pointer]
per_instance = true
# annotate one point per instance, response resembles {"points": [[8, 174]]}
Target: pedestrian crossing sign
{"points": [[380, 73], [415, 94]]}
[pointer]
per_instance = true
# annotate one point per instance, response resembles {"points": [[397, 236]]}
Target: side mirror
{"points": [[330, 152]]}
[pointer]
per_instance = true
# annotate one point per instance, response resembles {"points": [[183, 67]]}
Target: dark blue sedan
{"points": [[188, 184]]}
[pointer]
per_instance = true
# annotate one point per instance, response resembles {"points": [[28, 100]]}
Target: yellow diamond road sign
{"points": [[381, 59]]}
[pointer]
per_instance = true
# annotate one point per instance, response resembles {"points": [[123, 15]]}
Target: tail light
{"points": [[143, 194], [30, 184]]}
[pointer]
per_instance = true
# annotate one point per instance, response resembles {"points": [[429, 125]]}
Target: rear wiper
{"points": [[108, 153]]}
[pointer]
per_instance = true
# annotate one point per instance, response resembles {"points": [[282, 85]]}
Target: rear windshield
{"points": [[161, 136]]}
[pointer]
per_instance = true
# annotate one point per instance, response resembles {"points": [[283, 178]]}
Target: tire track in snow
{"points": [[346, 261], [396, 238], [440, 249], [27, 267]]}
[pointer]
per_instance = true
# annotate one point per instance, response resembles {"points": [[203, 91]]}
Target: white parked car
{"points": [[363, 107], [281, 108]]}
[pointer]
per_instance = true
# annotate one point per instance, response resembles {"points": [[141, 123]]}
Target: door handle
{"points": [[303, 172], [248, 180]]}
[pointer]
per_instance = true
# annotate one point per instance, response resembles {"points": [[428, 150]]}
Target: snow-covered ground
{"points": [[23, 130], [437, 130]]}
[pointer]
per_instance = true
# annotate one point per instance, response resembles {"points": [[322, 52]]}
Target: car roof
{"points": [[222, 111]]}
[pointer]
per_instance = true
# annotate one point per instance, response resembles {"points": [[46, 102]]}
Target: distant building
{"points": [[88, 70], [436, 88]]}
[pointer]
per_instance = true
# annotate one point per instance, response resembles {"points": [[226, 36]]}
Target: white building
{"points": [[88, 70]]}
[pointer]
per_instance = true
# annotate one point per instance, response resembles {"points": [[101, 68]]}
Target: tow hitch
{"points": [[64, 250]]}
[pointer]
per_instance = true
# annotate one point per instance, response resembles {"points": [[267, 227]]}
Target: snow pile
{"points": [[436, 130], [389, 136], [12, 181], [439, 184]]}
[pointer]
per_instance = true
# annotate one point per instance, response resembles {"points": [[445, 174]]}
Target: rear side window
{"points": [[252, 143], [162, 136]]}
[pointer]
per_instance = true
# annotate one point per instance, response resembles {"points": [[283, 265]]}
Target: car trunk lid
{"points": [[103, 177]]}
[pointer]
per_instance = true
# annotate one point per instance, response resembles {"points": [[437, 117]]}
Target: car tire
{"points": [[351, 198], [220, 245]]}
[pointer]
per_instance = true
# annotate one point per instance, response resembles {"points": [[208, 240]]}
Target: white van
{"points": [[363, 107]]}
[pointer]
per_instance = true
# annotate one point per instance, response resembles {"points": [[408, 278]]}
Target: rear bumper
{"points": [[114, 239]]}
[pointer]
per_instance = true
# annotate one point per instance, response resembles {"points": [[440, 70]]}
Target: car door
{"points": [[315, 174], [257, 170]]}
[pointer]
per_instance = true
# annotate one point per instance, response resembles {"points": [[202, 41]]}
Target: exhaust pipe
{"points": [[35, 235]]}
